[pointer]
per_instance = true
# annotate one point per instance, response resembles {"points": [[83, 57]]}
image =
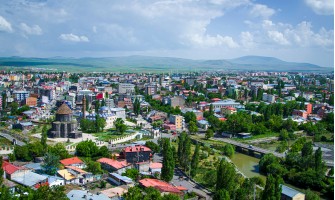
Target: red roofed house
{"points": [[74, 161], [112, 165], [155, 167], [228, 110], [136, 154], [215, 99], [12, 170], [163, 187]]}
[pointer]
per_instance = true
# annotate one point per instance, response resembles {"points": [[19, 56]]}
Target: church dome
{"points": [[64, 110]]}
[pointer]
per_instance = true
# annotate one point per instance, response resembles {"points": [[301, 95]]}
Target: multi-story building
{"points": [[269, 98], [308, 108], [49, 92], [178, 121], [126, 88], [219, 104], [136, 154], [151, 89], [119, 112], [176, 101], [20, 95], [31, 101]]}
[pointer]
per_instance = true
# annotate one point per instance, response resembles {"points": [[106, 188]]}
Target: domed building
{"points": [[65, 126]]}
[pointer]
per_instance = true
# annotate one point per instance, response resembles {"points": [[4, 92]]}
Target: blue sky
{"points": [[292, 30]]}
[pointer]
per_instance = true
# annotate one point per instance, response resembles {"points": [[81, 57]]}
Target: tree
{"points": [[192, 127], [170, 197], [153, 146], [221, 195], [13, 108], [59, 150], [152, 194], [94, 167], [195, 161], [120, 126], [211, 109], [134, 193], [283, 135], [272, 190], [228, 150], [168, 161], [184, 150], [310, 195], [51, 163], [318, 160], [35, 149], [131, 173], [100, 123], [44, 137], [22, 153], [266, 161], [157, 123], [49, 193], [103, 152], [97, 106], [209, 134], [190, 116], [226, 177], [137, 106], [307, 150], [87, 149], [4, 101]]}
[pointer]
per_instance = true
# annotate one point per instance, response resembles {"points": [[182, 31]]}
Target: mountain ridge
{"points": [[153, 63]]}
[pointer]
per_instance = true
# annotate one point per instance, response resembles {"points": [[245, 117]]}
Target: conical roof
{"points": [[64, 110]]}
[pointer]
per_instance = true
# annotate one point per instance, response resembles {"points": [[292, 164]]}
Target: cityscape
{"points": [[167, 100]]}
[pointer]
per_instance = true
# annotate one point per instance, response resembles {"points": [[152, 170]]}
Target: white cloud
{"points": [[33, 30], [247, 39], [278, 37], [73, 38], [213, 41], [260, 10], [5, 25], [321, 7]]}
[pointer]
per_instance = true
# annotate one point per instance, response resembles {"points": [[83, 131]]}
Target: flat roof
{"points": [[123, 178], [290, 192], [29, 179], [79, 195]]}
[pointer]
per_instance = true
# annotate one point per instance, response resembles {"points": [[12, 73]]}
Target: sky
{"points": [[292, 30]]}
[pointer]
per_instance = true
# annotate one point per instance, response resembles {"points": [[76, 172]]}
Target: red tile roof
{"points": [[71, 161], [156, 165], [160, 185], [136, 148], [114, 163], [9, 168]]}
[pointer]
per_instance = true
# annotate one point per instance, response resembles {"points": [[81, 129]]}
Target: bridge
{"points": [[250, 147]]}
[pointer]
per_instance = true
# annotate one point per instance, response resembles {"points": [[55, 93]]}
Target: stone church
{"points": [[65, 126]]}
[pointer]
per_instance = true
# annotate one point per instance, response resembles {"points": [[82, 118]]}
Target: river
{"points": [[248, 165]]}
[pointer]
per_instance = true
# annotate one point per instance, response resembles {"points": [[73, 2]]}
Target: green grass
{"points": [[111, 134], [5, 142]]}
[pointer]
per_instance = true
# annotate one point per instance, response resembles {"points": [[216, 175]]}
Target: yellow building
{"points": [[178, 121]]}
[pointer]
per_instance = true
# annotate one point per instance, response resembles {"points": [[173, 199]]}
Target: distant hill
{"points": [[159, 64]]}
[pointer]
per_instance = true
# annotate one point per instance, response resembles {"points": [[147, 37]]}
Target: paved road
{"points": [[190, 185], [11, 138]]}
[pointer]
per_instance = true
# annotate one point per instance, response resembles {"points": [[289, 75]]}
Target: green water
{"points": [[248, 165]]}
